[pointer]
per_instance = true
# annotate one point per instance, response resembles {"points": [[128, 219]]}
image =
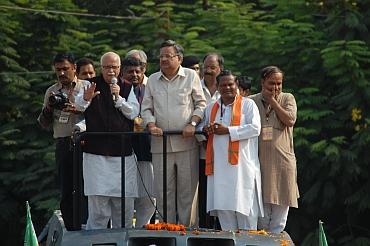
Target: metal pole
{"points": [[164, 178], [76, 195], [123, 180]]}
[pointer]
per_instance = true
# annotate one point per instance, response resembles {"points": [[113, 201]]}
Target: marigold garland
{"points": [[165, 226], [260, 232], [284, 242]]}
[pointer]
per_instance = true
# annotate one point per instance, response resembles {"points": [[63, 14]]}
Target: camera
{"points": [[58, 101]]}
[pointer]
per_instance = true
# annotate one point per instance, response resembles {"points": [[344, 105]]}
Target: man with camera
{"points": [[59, 112]]}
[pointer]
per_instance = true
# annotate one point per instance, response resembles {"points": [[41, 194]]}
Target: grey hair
{"points": [[110, 53], [141, 53], [179, 49]]}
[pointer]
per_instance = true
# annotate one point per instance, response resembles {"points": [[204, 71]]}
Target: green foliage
{"points": [[322, 46]]}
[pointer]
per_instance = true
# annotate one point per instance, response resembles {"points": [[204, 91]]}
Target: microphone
{"points": [[114, 81]]}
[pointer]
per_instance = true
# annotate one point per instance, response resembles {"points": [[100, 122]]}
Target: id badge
{"points": [[267, 133], [138, 121], [64, 117]]}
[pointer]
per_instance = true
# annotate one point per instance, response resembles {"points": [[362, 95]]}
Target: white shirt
{"points": [[210, 99], [232, 187]]}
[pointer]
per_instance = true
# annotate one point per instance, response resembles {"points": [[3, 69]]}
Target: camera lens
{"points": [[54, 100]]}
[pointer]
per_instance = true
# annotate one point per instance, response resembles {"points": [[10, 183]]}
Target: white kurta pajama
{"points": [[235, 187], [102, 176]]}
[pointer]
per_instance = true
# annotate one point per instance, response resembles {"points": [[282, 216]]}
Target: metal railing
{"points": [[77, 172]]}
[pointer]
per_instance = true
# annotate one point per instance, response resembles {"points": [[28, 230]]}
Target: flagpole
{"points": [[30, 238], [322, 237]]}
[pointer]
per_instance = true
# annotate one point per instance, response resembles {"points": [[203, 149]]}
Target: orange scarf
{"points": [[233, 151]]}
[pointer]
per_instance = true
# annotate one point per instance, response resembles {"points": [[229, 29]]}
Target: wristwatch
{"points": [[193, 123]]}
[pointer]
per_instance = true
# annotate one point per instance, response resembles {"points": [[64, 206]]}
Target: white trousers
{"points": [[144, 210], [275, 218], [232, 220], [104, 208], [144, 205]]}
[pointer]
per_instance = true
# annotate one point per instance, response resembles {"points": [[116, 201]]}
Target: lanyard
{"points": [[269, 109]]}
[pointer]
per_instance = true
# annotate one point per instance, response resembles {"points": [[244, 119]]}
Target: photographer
{"points": [[59, 112]]}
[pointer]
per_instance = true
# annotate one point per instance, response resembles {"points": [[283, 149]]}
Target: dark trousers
{"points": [[64, 160], [205, 220]]}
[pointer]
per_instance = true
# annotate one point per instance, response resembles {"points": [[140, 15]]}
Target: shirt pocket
{"points": [[183, 96]]}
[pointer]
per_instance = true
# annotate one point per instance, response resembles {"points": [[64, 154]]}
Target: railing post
{"points": [[123, 181], [76, 195], [164, 177]]}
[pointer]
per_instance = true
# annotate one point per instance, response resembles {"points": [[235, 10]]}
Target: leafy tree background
{"points": [[322, 46]]}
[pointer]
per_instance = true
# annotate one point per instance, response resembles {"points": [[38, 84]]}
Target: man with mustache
{"points": [[133, 73], [232, 124], [212, 66], [85, 68], [62, 118], [108, 106]]}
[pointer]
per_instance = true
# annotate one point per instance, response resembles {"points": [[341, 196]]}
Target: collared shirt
{"points": [[233, 187], [62, 122], [210, 98], [170, 104]]}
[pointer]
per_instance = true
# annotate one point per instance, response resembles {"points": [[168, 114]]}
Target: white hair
{"points": [[110, 54], [141, 53]]}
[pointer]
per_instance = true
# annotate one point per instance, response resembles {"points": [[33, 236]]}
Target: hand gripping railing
{"points": [[77, 172]]}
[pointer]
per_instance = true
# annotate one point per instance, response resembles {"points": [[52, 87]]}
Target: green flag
{"points": [[30, 238], [322, 237]]}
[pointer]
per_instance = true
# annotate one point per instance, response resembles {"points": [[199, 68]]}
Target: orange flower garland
{"points": [[165, 226]]}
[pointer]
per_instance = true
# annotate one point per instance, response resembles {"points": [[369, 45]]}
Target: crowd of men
{"points": [[239, 175]]}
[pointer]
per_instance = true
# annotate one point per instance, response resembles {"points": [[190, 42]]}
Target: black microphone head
{"points": [[114, 80]]}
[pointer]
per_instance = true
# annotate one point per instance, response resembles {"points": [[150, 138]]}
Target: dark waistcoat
{"points": [[102, 116]]}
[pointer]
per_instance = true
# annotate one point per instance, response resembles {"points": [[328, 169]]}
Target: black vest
{"points": [[102, 116]]}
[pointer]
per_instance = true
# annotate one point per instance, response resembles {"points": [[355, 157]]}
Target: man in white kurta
{"points": [[108, 107], [234, 191]]}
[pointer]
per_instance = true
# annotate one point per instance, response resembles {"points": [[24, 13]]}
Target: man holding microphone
{"points": [[108, 106]]}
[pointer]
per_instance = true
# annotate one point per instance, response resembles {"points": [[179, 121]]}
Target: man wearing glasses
{"points": [[59, 112], [108, 106], [174, 100]]}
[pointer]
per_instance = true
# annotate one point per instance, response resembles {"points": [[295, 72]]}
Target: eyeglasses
{"points": [[167, 56], [111, 67]]}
